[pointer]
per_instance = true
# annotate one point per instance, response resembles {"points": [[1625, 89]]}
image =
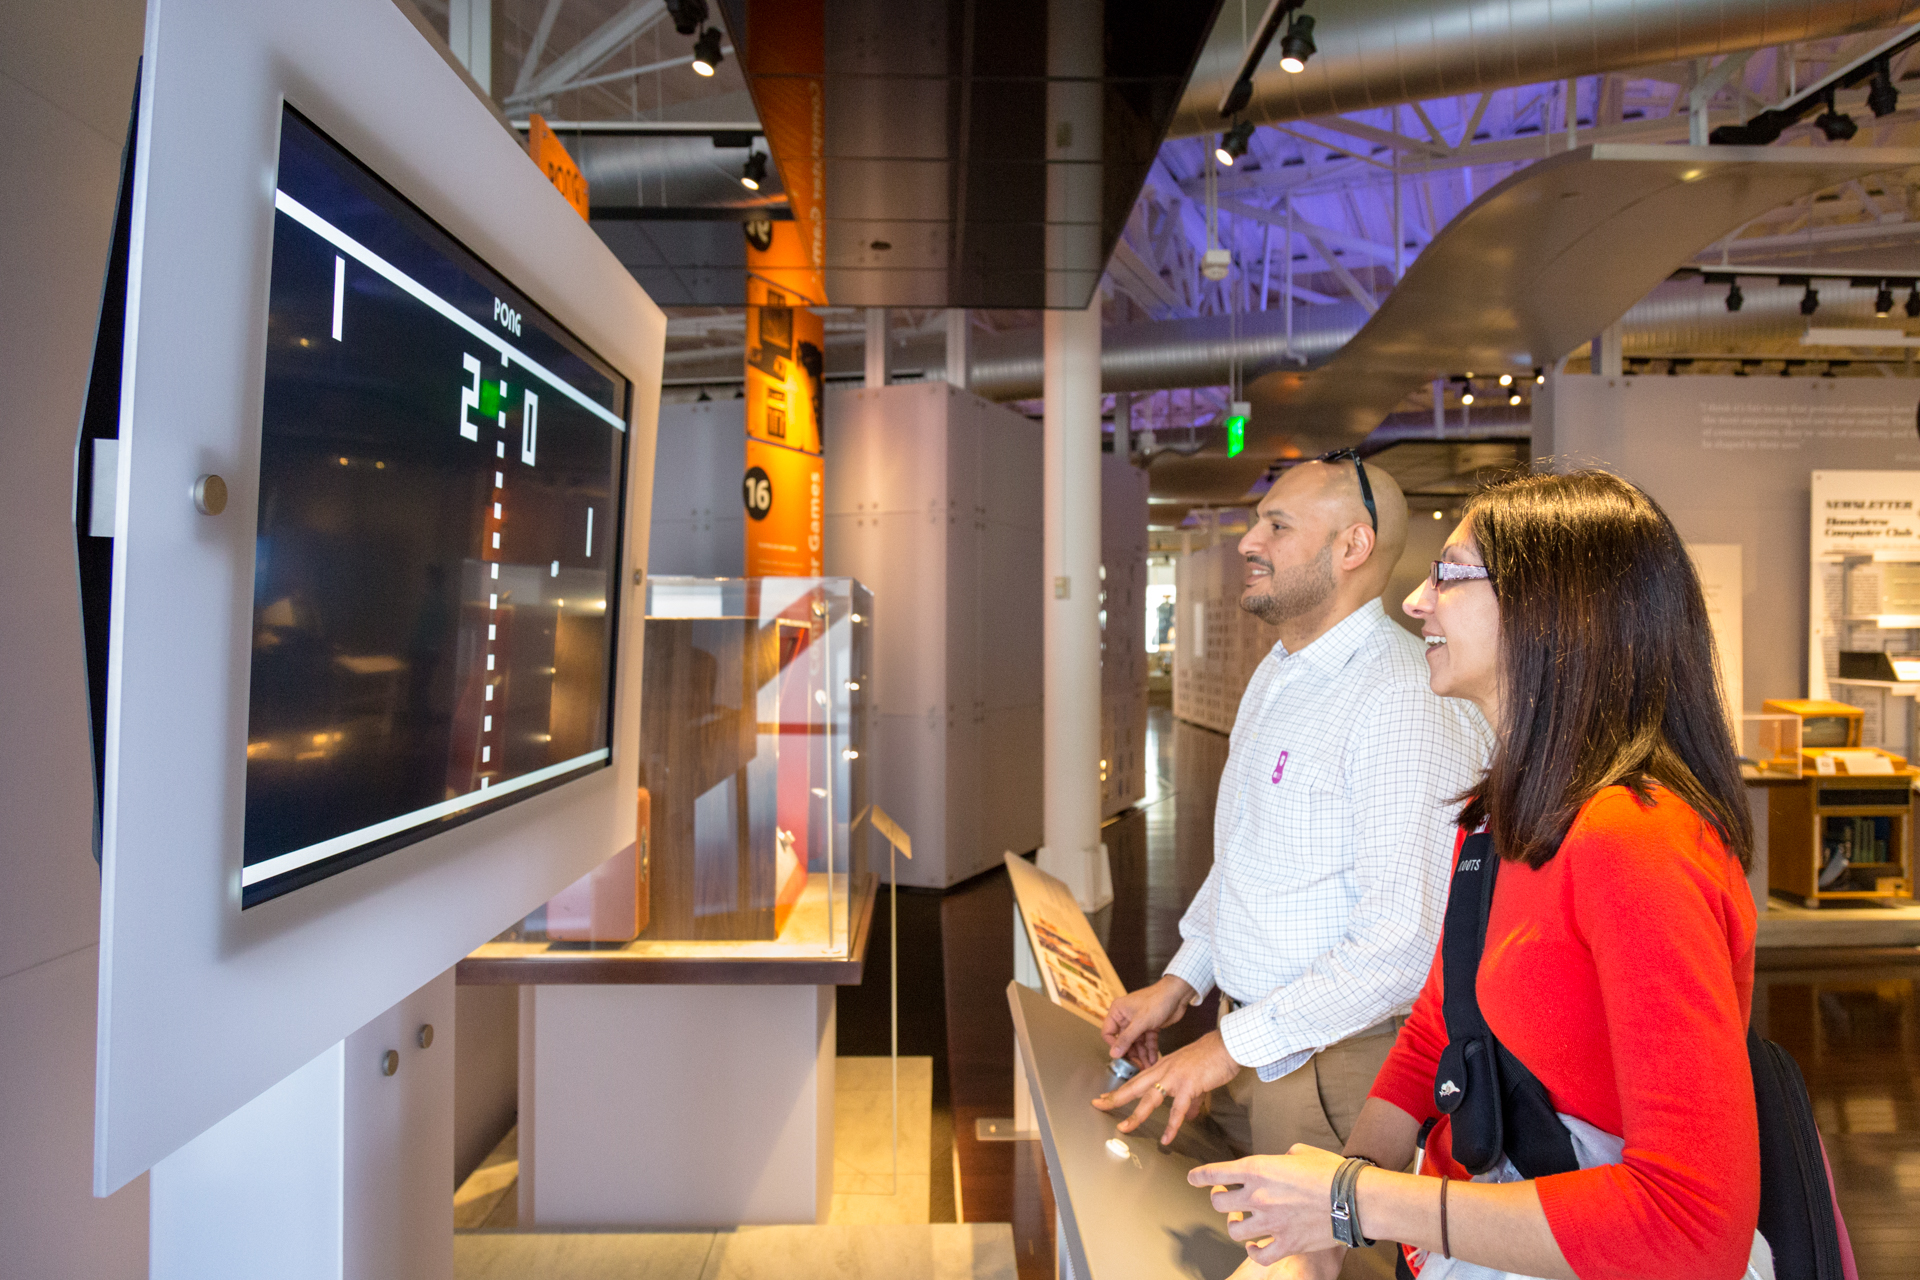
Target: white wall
{"points": [[1730, 459], [66, 85], [699, 525]]}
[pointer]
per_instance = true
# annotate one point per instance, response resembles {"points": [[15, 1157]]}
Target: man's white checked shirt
{"points": [[1333, 842]]}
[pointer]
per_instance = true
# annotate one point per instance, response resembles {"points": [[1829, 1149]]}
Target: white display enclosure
{"points": [[203, 1007]]}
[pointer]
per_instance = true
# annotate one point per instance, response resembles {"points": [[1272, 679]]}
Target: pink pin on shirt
{"points": [[1280, 767]]}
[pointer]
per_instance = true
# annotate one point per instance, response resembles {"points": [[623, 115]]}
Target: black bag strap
{"points": [[1497, 1106]]}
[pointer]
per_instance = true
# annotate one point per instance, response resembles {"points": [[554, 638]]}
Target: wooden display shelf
{"points": [[791, 959], [1802, 815]]}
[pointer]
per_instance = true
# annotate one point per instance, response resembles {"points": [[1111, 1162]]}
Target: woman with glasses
{"points": [[1617, 965]]}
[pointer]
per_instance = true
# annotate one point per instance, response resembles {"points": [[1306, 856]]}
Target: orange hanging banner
{"points": [[786, 351], [551, 155]]}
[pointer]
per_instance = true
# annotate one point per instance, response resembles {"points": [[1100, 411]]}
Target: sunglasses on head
{"points": [[1366, 490]]}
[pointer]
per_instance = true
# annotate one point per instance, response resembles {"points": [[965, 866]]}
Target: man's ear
{"points": [[1357, 546]]}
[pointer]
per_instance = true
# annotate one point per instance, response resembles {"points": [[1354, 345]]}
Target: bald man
{"points": [[1333, 838]]}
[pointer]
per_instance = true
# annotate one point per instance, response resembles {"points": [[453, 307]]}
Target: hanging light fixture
{"points": [[1882, 98], [1735, 298], [1233, 143], [1810, 300], [1297, 45], [706, 52], [1883, 301], [1836, 124], [688, 15], [755, 171], [1514, 399], [1466, 393], [1539, 375], [1506, 379], [1913, 301]]}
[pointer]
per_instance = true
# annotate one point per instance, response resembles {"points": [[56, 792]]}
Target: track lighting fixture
{"points": [[1882, 98], [1539, 375], [1809, 301], [688, 15], [1297, 45], [755, 171], [1506, 379], [1233, 143], [1837, 125], [1883, 301], [1735, 298], [1913, 301], [1466, 393], [706, 51], [1514, 399]]}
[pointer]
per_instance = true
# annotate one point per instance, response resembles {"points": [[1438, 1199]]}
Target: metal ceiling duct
{"points": [[1171, 353], [690, 171], [1375, 53]]}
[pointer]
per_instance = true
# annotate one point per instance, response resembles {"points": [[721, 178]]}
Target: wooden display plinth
{"points": [[1870, 816]]}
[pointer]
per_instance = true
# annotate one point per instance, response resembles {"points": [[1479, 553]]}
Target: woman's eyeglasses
{"points": [[1366, 490], [1445, 571]]}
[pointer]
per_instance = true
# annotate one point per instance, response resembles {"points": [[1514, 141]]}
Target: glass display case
{"points": [[1770, 745], [754, 730]]}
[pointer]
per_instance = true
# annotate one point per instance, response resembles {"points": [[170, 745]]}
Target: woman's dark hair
{"points": [[1607, 668]]}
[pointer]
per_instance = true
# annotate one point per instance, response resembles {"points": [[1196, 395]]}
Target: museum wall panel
{"points": [[66, 84]]}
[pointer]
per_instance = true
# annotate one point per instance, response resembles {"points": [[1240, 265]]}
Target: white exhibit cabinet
{"points": [[933, 501]]}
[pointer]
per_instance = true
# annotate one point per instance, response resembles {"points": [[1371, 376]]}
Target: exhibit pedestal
{"points": [[338, 1172], [679, 1107]]}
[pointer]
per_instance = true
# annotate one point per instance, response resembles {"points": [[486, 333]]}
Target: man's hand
{"points": [[1183, 1077], [1282, 1201], [1136, 1018]]}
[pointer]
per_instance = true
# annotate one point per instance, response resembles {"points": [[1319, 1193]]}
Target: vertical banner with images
{"points": [[547, 151], [786, 367]]}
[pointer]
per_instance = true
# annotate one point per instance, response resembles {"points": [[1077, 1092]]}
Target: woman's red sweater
{"points": [[1621, 973]]}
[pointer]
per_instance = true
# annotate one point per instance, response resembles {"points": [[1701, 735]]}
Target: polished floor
{"points": [[1850, 1018]]}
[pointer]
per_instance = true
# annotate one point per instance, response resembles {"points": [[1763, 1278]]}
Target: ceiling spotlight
{"points": [[755, 171], [1837, 125], [1882, 98], [1539, 375], [1514, 398], [1506, 379], [1233, 143], [1735, 298], [1913, 301], [1883, 301], [706, 51], [687, 15], [1297, 45], [1809, 301], [1466, 395]]}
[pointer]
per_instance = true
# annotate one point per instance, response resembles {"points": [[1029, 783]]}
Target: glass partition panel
{"points": [[753, 738]]}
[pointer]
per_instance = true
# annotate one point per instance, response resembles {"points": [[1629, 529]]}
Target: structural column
{"points": [[879, 350], [1070, 501], [959, 348]]}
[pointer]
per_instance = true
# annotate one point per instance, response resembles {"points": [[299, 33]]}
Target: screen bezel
{"points": [[202, 1006], [314, 872]]}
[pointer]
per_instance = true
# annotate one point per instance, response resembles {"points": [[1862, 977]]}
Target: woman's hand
{"points": [[1324, 1265], [1286, 1201]]}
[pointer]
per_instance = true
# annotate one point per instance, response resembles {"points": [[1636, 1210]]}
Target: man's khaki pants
{"points": [[1317, 1104]]}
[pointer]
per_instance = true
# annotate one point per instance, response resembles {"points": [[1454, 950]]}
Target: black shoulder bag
{"points": [[1498, 1107]]}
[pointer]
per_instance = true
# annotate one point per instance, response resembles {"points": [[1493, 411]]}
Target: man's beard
{"points": [[1304, 589]]}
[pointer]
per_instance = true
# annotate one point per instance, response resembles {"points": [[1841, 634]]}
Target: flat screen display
{"points": [[441, 488]]}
